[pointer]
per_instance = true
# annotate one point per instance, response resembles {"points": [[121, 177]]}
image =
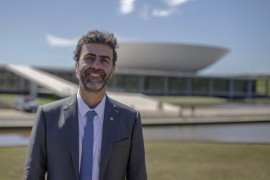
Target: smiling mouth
{"points": [[92, 74]]}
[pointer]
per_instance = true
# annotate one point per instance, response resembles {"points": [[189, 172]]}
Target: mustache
{"points": [[96, 71]]}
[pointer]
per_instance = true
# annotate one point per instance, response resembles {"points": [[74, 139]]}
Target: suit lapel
{"points": [[72, 132], [110, 124]]}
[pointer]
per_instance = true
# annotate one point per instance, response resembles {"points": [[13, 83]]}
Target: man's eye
{"points": [[89, 58], [105, 60]]}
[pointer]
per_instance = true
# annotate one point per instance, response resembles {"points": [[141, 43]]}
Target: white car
{"points": [[26, 103]]}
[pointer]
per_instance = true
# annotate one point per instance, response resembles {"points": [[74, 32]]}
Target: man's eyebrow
{"points": [[89, 54], [103, 56]]}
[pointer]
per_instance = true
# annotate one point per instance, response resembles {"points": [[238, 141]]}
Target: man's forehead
{"points": [[96, 47]]}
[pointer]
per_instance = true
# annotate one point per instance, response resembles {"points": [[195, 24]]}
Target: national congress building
{"points": [[151, 69]]}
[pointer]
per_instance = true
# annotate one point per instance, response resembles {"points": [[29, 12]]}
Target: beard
{"points": [[91, 83]]}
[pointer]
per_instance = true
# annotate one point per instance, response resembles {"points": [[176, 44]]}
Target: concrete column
{"points": [[189, 87], [141, 84], [249, 89], [210, 87], [266, 87], [33, 90], [231, 91], [22, 85], [166, 86]]}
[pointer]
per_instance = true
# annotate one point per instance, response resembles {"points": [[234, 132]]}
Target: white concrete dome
{"points": [[165, 56]]}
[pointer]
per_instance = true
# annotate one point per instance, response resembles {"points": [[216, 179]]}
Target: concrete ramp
{"points": [[59, 86], [64, 88], [146, 105]]}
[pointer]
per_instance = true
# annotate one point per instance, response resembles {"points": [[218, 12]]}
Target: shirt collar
{"points": [[84, 108]]}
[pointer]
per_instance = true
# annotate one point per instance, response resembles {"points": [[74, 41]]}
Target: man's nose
{"points": [[96, 64]]}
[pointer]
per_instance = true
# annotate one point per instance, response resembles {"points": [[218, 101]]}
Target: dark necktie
{"points": [[87, 148]]}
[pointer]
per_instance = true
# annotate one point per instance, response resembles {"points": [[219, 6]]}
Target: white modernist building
{"points": [[167, 57], [145, 68]]}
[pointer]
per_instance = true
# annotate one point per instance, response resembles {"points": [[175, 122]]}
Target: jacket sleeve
{"points": [[35, 163], [136, 166]]}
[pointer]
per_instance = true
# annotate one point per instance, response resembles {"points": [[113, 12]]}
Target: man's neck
{"points": [[92, 99]]}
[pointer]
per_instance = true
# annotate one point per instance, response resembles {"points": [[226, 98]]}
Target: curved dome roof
{"points": [[161, 56]]}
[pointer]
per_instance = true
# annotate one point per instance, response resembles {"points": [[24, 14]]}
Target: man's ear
{"points": [[77, 66], [77, 70], [113, 68]]}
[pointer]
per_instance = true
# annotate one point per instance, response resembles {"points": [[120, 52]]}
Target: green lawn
{"points": [[8, 99], [12, 161], [176, 160], [261, 87], [207, 161]]}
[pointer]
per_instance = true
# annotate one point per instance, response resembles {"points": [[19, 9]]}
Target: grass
{"points": [[174, 160], [8, 99], [45, 100], [12, 161], [207, 161], [261, 87]]}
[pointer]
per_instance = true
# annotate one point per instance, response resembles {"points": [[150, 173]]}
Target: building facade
{"points": [[154, 84], [157, 69]]}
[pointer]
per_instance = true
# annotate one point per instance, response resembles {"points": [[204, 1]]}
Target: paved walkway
{"points": [[14, 119], [10, 118], [207, 115]]}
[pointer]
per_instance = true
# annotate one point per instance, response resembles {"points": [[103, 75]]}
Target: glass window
{"points": [[239, 86], [177, 85], [154, 84], [126, 83], [220, 85], [200, 86]]}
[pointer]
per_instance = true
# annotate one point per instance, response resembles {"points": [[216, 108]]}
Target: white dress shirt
{"points": [[83, 108]]}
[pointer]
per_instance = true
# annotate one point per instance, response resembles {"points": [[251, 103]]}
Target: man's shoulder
{"points": [[123, 107], [57, 104]]}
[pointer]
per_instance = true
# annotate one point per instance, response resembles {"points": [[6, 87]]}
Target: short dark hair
{"points": [[99, 37]]}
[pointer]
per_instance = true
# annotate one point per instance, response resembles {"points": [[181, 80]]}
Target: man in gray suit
{"points": [[57, 142]]}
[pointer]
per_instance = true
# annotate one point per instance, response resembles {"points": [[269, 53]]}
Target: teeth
{"points": [[95, 75]]}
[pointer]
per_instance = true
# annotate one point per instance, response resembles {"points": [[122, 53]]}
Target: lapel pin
{"points": [[111, 118]]}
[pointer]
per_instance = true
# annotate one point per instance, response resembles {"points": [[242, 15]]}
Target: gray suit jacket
{"points": [[54, 143]]}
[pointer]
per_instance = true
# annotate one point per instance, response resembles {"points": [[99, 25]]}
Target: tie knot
{"points": [[91, 115]]}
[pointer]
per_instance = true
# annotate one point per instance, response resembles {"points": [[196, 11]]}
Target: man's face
{"points": [[95, 66]]}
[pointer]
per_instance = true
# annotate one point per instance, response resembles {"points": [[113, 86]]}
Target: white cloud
{"points": [[147, 11], [162, 13], [126, 6], [60, 42], [144, 13], [175, 2]]}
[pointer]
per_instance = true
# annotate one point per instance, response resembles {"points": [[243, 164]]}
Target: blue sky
{"points": [[44, 33]]}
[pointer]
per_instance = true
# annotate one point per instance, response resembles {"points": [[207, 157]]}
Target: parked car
{"points": [[26, 104]]}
